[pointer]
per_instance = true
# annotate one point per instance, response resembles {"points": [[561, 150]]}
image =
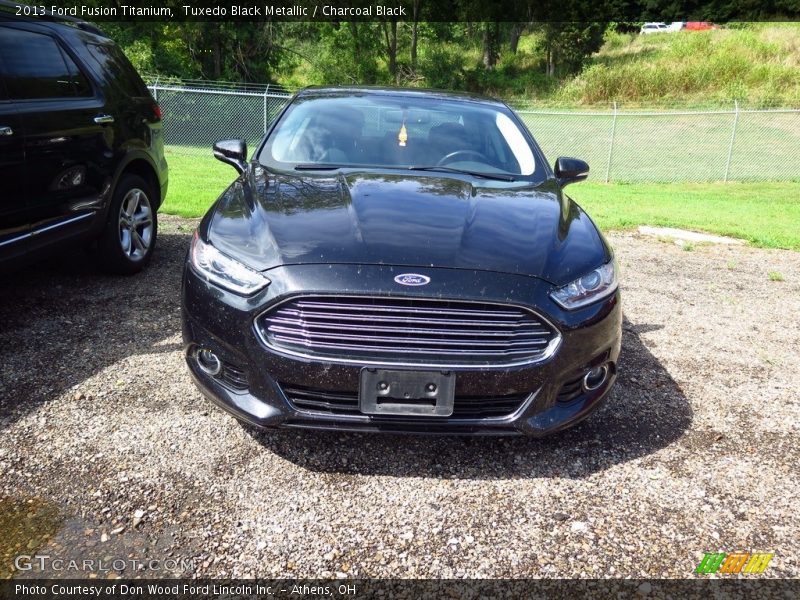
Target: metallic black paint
{"points": [[58, 137], [412, 219], [352, 232], [224, 321]]}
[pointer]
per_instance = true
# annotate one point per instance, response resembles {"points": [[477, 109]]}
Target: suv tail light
{"points": [[156, 111]]}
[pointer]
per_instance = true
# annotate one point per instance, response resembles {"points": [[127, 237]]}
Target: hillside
{"points": [[759, 65], [756, 64]]}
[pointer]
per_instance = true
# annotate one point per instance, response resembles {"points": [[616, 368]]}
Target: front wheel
{"points": [[129, 238]]}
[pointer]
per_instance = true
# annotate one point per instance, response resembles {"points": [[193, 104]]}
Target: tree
{"points": [[491, 35], [514, 33], [415, 12], [390, 38], [568, 45]]}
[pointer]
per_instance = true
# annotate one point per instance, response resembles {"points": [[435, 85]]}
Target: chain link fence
{"points": [[623, 145], [732, 144], [196, 117]]}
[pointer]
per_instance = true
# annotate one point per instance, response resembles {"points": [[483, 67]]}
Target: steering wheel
{"points": [[448, 158]]}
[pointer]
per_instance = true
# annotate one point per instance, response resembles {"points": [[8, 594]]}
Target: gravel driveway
{"points": [[108, 451]]}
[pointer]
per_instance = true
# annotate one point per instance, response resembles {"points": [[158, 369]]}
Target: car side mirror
{"points": [[232, 152], [570, 170]]}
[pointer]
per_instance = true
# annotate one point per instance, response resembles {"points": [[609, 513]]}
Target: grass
{"points": [[776, 276], [767, 214], [195, 181]]}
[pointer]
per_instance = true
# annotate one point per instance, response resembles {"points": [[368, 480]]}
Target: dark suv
{"points": [[81, 146]]}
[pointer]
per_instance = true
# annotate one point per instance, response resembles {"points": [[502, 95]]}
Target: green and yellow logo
{"points": [[736, 562]]}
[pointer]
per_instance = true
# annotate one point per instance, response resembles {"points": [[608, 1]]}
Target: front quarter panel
{"points": [[235, 226], [577, 245]]}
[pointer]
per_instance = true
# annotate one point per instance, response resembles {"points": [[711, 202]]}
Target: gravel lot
{"points": [[107, 450]]}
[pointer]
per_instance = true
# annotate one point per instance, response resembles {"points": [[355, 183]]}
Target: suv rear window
{"points": [[34, 67], [111, 60]]}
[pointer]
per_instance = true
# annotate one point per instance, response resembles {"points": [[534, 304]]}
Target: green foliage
{"points": [[335, 54], [568, 45], [443, 66], [615, 40], [756, 64], [141, 56], [518, 78], [566, 63]]}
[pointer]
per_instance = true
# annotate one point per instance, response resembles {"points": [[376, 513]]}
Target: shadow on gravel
{"points": [[646, 412], [63, 321]]}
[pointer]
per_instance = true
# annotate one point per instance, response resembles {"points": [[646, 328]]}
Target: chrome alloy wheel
{"points": [[135, 224]]}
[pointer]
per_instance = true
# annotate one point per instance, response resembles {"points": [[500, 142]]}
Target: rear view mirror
{"points": [[232, 152], [413, 115], [570, 170], [393, 116], [418, 116]]}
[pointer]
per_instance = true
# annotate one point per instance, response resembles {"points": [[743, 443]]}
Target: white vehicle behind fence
{"points": [[662, 27], [648, 28]]}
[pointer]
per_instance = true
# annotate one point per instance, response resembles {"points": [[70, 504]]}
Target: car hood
{"points": [[413, 220]]}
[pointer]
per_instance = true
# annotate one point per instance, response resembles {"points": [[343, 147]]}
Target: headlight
{"points": [[593, 286], [224, 271]]}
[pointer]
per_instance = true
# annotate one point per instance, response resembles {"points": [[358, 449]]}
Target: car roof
{"points": [[368, 90]]}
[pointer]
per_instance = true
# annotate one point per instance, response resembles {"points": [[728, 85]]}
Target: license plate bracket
{"points": [[407, 393]]}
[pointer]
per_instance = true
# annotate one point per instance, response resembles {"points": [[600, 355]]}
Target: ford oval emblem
{"points": [[412, 279]]}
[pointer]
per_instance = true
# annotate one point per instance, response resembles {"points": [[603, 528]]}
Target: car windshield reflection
{"points": [[329, 132]]}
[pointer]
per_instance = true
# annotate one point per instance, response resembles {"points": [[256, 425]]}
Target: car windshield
{"points": [[399, 132]]}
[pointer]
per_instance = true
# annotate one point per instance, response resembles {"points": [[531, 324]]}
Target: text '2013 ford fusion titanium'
{"points": [[401, 261]]}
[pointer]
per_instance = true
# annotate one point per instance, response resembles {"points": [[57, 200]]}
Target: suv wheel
{"points": [[127, 243]]}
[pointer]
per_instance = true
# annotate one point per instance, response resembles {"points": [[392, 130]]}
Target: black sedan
{"points": [[401, 261]]}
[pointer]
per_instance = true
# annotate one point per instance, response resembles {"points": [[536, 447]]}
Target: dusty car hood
{"points": [[411, 220]]}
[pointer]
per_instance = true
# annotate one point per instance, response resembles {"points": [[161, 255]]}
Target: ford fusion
{"points": [[401, 261]]}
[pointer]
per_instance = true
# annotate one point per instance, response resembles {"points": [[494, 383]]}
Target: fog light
{"points": [[208, 362], [595, 378]]}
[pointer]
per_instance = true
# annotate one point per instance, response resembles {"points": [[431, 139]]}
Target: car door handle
{"points": [[103, 119], [6, 130]]}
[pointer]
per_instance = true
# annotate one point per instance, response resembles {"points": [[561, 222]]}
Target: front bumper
{"points": [[253, 380]]}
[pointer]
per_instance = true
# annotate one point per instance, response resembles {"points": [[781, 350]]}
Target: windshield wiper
{"points": [[317, 167], [497, 176], [333, 167]]}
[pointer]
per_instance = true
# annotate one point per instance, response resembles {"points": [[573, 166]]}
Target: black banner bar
{"points": [[171, 589], [404, 10]]}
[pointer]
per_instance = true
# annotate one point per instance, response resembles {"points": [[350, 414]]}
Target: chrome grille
{"points": [[367, 330]]}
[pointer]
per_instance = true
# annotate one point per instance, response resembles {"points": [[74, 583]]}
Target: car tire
{"points": [[126, 245]]}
